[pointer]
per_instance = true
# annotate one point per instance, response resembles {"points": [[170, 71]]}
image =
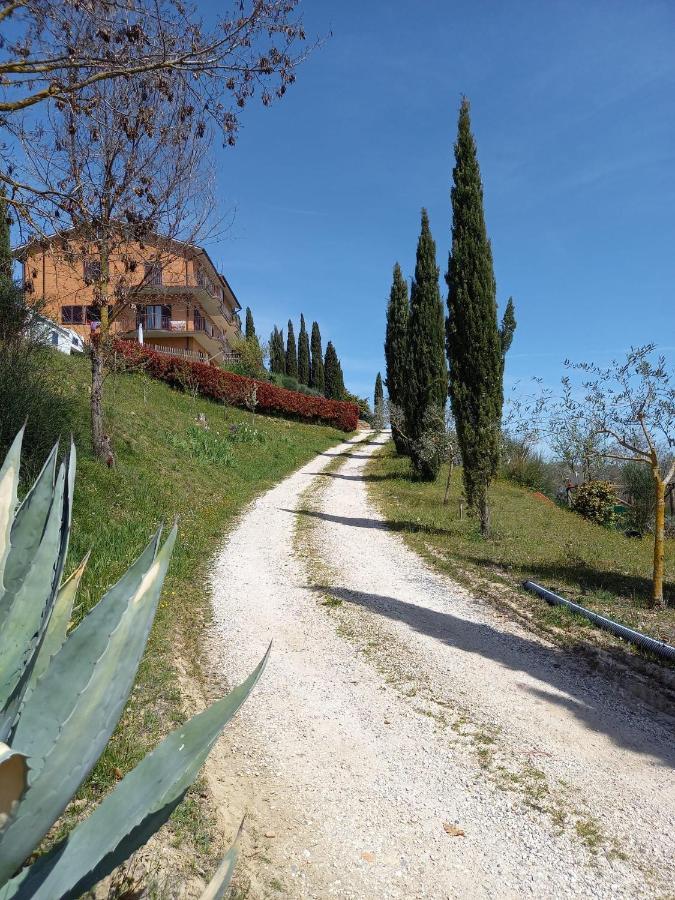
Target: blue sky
{"points": [[573, 109]]}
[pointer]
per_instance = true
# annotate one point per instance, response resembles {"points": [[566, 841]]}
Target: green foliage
{"points": [[474, 340], [291, 353], [529, 469], [251, 358], [638, 483], [277, 352], [316, 374], [396, 349], [292, 384], [378, 405], [427, 374], [61, 694], [250, 327], [595, 501], [334, 387], [203, 445], [304, 373], [433, 445], [31, 392]]}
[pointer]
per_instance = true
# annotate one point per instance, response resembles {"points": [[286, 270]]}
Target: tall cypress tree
{"points": [[291, 352], [316, 379], [475, 343], [427, 373], [334, 382], [395, 349], [250, 327], [277, 352], [303, 353], [378, 396]]}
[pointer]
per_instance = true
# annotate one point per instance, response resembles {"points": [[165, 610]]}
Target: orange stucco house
{"points": [[172, 289]]}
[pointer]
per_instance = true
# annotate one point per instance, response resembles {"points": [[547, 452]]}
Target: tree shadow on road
{"points": [[355, 522], [386, 476], [594, 698]]}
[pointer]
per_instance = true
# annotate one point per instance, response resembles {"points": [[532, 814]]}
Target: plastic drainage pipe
{"points": [[665, 651]]}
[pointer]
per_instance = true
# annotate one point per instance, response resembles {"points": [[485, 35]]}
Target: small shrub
{"points": [[595, 501], [532, 472]]}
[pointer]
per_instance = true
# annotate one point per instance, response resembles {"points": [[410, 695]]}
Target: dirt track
{"points": [[397, 711]]}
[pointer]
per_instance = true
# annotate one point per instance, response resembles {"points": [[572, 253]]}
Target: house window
{"points": [[93, 313], [55, 339], [92, 269], [153, 274], [72, 315]]}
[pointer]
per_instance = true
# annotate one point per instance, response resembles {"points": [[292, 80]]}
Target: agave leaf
{"points": [[85, 732], [57, 626], [9, 484], [31, 603], [140, 803], [70, 670], [13, 782], [216, 888], [28, 528]]}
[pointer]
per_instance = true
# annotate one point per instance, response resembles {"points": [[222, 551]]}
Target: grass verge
{"points": [[531, 539], [168, 466]]}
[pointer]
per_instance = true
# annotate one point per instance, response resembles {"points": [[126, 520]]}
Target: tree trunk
{"points": [[447, 483], [99, 439], [659, 541], [484, 514]]}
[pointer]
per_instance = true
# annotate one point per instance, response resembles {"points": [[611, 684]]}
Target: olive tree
{"points": [[630, 407]]}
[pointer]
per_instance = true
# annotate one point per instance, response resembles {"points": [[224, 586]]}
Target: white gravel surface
{"points": [[410, 710]]}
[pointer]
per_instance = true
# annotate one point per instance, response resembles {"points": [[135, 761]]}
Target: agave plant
{"points": [[62, 694]]}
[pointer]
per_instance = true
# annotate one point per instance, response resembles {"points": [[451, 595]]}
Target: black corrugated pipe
{"points": [[658, 648]]}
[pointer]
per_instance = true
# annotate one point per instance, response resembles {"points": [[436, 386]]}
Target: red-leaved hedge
{"points": [[214, 382]]}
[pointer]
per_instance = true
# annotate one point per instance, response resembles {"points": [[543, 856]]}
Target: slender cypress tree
{"points": [[378, 395], [427, 373], [395, 349], [334, 382], [291, 352], [316, 379], [303, 353], [508, 328], [277, 353], [250, 327], [476, 347]]}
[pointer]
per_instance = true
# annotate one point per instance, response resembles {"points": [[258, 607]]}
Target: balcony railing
{"points": [[166, 323]]}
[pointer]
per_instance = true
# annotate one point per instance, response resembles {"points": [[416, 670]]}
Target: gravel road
{"points": [[407, 739]]}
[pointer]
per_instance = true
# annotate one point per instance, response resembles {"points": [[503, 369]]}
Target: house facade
{"points": [[167, 293]]}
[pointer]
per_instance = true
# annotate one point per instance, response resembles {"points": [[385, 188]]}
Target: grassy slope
{"points": [[532, 538], [167, 467]]}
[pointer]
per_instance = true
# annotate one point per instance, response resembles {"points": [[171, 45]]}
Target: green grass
{"points": [[531, 539], [168, 466]]}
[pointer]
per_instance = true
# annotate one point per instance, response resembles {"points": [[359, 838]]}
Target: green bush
{"points": [[31, 393], [595, 501], [532, 472]]}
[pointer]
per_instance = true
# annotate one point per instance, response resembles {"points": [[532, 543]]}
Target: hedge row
{"points": [[214, 382]]}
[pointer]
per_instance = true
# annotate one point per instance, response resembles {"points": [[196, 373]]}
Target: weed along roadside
{"points": [[592, 565], [169, 465]]}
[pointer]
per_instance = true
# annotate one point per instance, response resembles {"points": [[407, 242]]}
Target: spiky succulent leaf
{"points": [[57, 694], [82, 736], [28, 527], [9, 485], [13, 782], [217, 887], [31, 603], [57, 627], [140, 803]]}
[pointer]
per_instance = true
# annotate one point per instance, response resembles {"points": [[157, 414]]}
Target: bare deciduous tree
{"points": [[630, 405], [123, 178]]}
